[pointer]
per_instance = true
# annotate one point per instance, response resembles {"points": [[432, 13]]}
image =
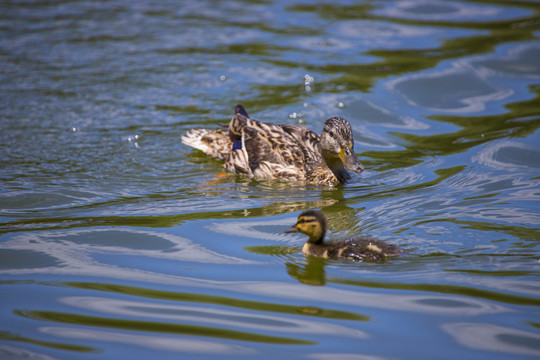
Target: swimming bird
{"points": [[313, 224], [289, 152]]}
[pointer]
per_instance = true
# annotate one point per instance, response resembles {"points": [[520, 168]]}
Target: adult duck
{"points": [[289, 152]]}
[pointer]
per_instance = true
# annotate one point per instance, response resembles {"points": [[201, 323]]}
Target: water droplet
{"points": [[222, 78], [308, 79], [341, 105], [296, 115]]}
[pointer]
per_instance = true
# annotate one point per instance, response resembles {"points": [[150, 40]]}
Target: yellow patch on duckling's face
{"points": [[310, 226]]}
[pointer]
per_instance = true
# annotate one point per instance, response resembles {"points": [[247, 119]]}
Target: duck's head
{"points": [[337, 148], [313, 224]]}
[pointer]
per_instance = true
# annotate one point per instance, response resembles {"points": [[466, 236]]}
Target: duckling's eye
{"points": [[331, 133], [301, 221]]}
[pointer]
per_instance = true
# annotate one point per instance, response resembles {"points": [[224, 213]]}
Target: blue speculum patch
{"points": [[237, 145]]}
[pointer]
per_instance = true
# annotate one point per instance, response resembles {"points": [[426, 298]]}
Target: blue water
{"points": [[116, 240]]}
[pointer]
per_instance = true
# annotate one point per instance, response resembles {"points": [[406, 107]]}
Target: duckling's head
{"points": [[337, 148], [313, 224]]}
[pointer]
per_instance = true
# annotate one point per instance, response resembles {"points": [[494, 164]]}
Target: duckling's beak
{"points": [[292, 230], [350, 161]]}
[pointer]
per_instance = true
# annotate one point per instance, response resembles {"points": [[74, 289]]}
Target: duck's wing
{"points": [[273, 153], [308, 140], [367, 249], [259, 147], [266, 149]]}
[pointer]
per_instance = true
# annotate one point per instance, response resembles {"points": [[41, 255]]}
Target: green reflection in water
{"points": [[311, 273], [217, 300], [274, 250], [169, 328], [522, 119], [446, 289], [9, 336], [269, 189], [159, 221], [398, 61]]}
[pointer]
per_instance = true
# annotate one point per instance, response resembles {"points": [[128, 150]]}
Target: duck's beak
{"points": [[350, 161], [292, 230]]}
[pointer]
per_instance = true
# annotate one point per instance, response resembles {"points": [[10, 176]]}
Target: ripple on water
{"points": [[495, 338], [156, 343], [509, 155], [119, 240], [77, 250], [514, 60], [464, 90], [445, 11], [29, 201], [216, 316]]}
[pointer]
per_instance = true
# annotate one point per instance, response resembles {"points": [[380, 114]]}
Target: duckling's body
{"points": [[267, 151], [313, 224], [361, 249]]}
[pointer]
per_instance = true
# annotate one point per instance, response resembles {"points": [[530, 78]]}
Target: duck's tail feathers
{"points": [[214, 143]]}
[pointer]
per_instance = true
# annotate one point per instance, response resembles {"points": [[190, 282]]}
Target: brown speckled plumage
{"points": [[313, 224], [267, 151]]}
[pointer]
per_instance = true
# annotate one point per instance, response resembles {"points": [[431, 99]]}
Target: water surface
{"points": [[118, 240]]}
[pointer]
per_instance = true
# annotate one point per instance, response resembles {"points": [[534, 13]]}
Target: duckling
{"points": [[313, 224], [289, 152]]}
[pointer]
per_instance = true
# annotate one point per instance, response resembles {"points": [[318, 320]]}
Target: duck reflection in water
{"points": [[311, 273]]}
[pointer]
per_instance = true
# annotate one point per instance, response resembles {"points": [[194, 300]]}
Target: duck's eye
{"points": [[331, 133]]}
